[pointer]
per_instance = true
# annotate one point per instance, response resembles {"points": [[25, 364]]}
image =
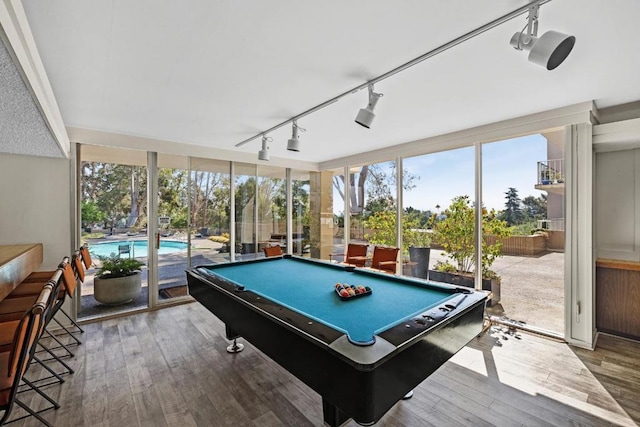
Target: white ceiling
{"points": [[213, 73]]}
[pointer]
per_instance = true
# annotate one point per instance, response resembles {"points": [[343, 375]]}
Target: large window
{"points": [[113, 202], [300, 212], [245, 210], [272, 207], [438, 213], [523, 184], [210, 198]]}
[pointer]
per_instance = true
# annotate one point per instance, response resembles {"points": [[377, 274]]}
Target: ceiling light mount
{"points": [[548, 50], [294, 143], [263, 154], [366, 115]]}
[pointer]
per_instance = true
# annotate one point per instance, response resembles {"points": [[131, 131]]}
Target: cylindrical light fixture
{"points": [[264, 153], [366, 115], [548, 50], [294, 143]]}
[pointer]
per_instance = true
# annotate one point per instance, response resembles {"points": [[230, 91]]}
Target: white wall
{"points": [[35, 208], [618, 204]]}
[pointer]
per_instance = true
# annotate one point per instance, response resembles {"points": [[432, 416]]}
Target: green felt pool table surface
{"points": [[309, 289]]}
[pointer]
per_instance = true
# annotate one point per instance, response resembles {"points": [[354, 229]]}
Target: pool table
{"points": [[361, 354]]}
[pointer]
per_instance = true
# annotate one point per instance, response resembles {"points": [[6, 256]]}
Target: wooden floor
{"points": [[170, 368]]}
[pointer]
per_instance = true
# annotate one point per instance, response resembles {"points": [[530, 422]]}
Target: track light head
{"points": [[294, 143], [549, 50], [366, 115], [264, 153]]}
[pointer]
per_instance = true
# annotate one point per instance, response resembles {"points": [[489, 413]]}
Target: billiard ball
{"points": [[366, 288], [351, 292], [344, 293]]}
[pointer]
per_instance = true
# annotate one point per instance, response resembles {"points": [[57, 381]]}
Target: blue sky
{"points": [[442, 176]]}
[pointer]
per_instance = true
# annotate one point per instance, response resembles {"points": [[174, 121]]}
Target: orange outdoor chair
{"points": [[385, 259], [356, 254], [270, 251]]}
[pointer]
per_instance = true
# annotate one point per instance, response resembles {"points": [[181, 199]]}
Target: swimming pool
{"points": [[138, 248]]}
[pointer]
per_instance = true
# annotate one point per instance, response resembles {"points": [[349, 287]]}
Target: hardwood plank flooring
{"points": [[171, 368]]}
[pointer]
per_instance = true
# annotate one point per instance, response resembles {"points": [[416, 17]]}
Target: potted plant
{"points": [[118, 280], [456, 234], [419, 242]]}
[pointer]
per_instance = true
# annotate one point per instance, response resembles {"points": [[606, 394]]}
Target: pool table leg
{"points": [[332, 415], [234, 347]]}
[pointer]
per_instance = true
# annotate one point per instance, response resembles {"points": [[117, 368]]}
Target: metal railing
{"points": [[551, 224], [551, 172]]}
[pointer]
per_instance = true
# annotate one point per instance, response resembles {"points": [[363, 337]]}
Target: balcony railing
{"points": [[551, 172], [551, 224]]}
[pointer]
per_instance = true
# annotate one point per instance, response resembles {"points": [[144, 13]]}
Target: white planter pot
{"points": [[117, 290]]}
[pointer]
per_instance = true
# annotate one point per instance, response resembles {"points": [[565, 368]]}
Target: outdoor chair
{"points": [[86, 256], [385, 259], [270, 251], [16, 355], [356, 254], [124, 249]]}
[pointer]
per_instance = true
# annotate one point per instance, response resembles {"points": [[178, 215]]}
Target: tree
{"points": [[119, 191], [512, 214], [91, 214], [383, 226], [535, 208], [456, 234], [380, 187]]}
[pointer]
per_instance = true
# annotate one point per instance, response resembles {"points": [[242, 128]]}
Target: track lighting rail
{"points": [[471, 34]]}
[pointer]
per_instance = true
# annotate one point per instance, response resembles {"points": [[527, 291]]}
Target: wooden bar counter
{"points": [[16, 263], [618, 297]]}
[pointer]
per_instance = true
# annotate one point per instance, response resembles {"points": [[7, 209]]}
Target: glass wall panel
{"points": [[245, 210], [338, 185], [173, 221], [300, 212], [438, 213], [210, 197], [372, 205], [272, 208], [114, 225], [523, 182]]}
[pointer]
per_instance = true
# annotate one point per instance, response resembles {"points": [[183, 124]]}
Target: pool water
{"points": [[138, 248]]}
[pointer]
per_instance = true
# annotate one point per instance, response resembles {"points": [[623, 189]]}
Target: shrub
{"points": [[383, 226], [456, 234]]}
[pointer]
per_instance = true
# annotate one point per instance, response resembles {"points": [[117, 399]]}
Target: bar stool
{"points": [[15, 358], [12, 309]]}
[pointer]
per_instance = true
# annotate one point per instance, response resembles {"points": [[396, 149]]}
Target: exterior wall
{"points": [[36, 204], [555, 205], [555, 241], [521, 245]]}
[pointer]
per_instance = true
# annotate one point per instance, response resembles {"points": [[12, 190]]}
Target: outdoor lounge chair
{"points": [[385, 259], [356, 254], [270, 251]]}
